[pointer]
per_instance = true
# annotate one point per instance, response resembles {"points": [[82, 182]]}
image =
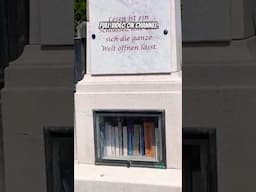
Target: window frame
{"points": [[206, 139], [132, 163]]}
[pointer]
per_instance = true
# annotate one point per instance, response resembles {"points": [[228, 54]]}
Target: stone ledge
{"points": [[39, 77], [92, 178], [224, 53], [33, 55], [41, 68], [130, 83]]}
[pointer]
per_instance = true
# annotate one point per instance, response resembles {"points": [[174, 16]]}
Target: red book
{"points": [[149, 138]]}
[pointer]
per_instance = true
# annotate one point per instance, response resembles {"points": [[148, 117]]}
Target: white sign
{"points": [[130, 36]]}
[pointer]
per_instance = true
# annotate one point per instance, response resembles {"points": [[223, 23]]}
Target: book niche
{"points": [[130, 138]]}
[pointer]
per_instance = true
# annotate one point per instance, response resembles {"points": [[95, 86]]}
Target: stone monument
{"points": [[128, 128]]}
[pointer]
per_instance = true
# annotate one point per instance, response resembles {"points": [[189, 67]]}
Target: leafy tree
{"points": [[80, 12]]}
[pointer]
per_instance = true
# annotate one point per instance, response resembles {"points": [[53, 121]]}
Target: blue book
{"points": [[142, 144], [130, 135], [136, 140]]}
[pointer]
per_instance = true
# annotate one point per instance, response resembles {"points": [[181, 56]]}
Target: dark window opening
{"points": [[14, 31], [59, 150], [199, 160], [17, 18]]}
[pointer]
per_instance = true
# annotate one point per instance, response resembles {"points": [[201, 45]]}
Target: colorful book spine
{"points": [[142, 142], [120, 138], [136, 140], [103, 141], [130, 135], [149, 138], [113, 145], [125, 151], [157, 142], [108, 139], [116, 141]]}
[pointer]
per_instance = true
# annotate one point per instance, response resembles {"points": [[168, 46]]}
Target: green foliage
{"points": [[80, 12]]}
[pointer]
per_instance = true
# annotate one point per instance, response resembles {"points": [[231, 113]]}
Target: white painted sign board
{"points": [[131, 36]]}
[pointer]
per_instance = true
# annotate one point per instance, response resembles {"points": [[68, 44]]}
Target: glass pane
{"points": [[129, 136]]}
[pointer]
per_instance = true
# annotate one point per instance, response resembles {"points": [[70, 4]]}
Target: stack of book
{"points": [[129, 139]]}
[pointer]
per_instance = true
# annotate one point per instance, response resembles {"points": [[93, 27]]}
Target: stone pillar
{"points": [[219, 92], [131, 82], [38, 93], [217, 21]]}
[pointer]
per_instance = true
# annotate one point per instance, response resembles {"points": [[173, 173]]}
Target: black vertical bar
{"points": [[27, 21], [3, 34], [17, 15], [3, 63]]}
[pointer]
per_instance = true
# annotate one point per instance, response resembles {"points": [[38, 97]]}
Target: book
{"points": [[149, 138], [136, 139], [103, 140], [142, 142], [120, 138], [124, 137], [125, 152], [108, 139], [129, 135], [113, 150], [116, 141], [157, 142]]}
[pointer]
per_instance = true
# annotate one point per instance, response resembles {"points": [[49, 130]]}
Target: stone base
{"points": [[149, 92], [162, 92], [92, 178]]}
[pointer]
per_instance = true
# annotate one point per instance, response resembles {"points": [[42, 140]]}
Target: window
{"points": [[199, 160], [59, 153], [130, 138]]}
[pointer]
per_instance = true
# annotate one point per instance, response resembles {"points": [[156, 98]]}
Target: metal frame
{"points": [[132, 163], [198, 136]]}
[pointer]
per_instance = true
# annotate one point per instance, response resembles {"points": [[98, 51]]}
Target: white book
{"points": [[116, 141], [125, 152], [113, 146], [108, 139]]}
